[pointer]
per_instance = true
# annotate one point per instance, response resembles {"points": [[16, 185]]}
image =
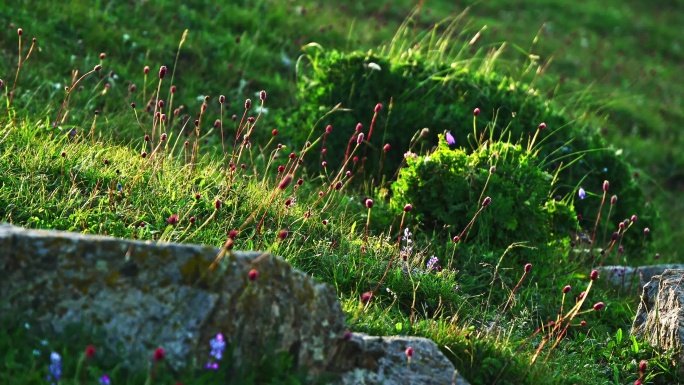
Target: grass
{"points": [[490, 315]]}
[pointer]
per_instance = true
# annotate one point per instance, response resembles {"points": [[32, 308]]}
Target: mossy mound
{"points": [[447, 188], [442, 98]]}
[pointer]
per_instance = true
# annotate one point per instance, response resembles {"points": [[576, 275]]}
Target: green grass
{"points": [[49, 179]]}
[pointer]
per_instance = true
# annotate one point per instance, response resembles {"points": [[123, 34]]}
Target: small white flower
{"points": [[126, 37], [426, 159], [44, 342], [374, 66], [27, 326]]}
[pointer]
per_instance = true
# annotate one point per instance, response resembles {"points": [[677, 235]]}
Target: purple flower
{"points": [[582, 194], [432, 263], [218, 345], [55, 367], [450, 138], [104, 380]]}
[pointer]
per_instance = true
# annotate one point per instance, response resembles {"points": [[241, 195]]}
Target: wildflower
{"points": [[456, 238], [450, 139], [409, 353], [613, 199], [369, 203], [567, 289], [643, 365], [262, 95], [408, 208], [386, 147], [283, 234], [378, 107], [582, 194], [476, 112], [105, 380], [162, 72], [55, 367], [287, 179], [605, 185], [583, 323], [366, 297], [217, 204], [486, 201], [633, 218], [347, 335], [158, 354], [328, 129], [432, 263], [90, 351], [173, 219], [492, 169], [528, 268], [599, 306], [594, 275], [542, 126], [248, 104]]}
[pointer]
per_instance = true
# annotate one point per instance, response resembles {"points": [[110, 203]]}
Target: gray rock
{"points": [[144, 295], [660, 316], [367, 360], [633, 277]]}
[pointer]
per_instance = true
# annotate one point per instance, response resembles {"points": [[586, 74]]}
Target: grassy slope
{"points": [[269, 30]]}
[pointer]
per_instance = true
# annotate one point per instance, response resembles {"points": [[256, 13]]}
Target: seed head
{"points": [[283, 234], [193, 219], [324, 163], [599, 306], [253, 275], [248, 104], [378, 107], [328, 129], [358, 128], [386, 147], [409, 352], [528, 268], [633, 218], [583, 323], [173, 89], [97, 68], [542, 126], [359, 139], [274, 132], [300, 181], [492, 169], [217, 204], [338, 185], [146, 70], [567, 289], [486, 201], [408, 208], [615, 235], [20, 31], [647, 231], [476, 112], [222, 99], [162, 72], [144, 154], [613, 199], [163, 136], [456, 239], [281, 169], [606, 184], [324, 222], [369, 203], [262, 95], [233, 234], [594, 276]]}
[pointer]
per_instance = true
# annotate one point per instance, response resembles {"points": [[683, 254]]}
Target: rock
{"points": [[633, 277], [367, 360], [145, 295], [660, 316]]}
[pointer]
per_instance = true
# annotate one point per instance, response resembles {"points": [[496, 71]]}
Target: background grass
{"points": [[619, 60]]}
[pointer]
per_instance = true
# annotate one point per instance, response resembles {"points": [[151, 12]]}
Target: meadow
{"points": [[179, 121]]}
